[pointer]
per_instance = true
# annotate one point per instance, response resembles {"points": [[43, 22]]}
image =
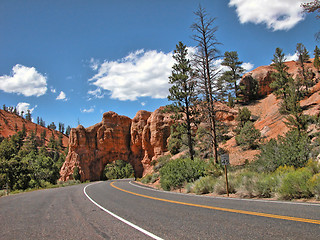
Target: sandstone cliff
{"points": [[137, 141]]}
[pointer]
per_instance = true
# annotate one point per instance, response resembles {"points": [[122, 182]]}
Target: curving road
{"points": [[126, 210]]}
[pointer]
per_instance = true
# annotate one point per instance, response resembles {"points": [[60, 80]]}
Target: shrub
{"points": [[76, 173], [266, 185], [246, 184], [248, 136], [177, 172], [243, 116], [118, 170], [161, 162], [292, 150], [314, 185], [220, 186], [150, 178], [204, 185], [295, 184]]}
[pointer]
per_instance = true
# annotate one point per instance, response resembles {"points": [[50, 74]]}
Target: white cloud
{"points": [[143, 103], [276, 14], [291, 57], [89, 110], [140, 74], [23, 106], [62, 96], [94, 64], [95, 94], [247, 66], [53, 90], [24, 80]]}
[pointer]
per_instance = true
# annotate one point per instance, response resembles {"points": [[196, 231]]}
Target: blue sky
{"points": [[70, 61]]}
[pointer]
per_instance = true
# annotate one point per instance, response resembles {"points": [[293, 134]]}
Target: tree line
{"points": [[61, 127]]}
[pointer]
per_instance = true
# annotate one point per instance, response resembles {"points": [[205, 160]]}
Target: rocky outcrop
{"points": [[137, 141], [264, 76]]}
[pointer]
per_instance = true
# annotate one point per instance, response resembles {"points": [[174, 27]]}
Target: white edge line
{"points": [[225, 198], [120, 218]]}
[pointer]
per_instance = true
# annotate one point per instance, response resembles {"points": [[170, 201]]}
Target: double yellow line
{"points": [[224, 209]]}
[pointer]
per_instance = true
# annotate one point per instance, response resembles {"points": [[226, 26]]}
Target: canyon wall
{"points": [[137, 141]]}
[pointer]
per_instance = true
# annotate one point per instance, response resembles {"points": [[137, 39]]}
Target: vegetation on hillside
{"points": [[27, 163]]}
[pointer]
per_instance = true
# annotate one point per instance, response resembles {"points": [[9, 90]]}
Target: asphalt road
{"points": [[68, 213]]}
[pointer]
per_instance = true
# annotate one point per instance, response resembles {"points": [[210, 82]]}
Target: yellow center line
{"points": [[224, 209]]}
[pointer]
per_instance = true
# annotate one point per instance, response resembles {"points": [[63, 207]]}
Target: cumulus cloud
{"points": [[24, 80], [247, 66], [23, 106], [62, 96], [89, 110], [276, 14], [140, 74], [291, 57]]}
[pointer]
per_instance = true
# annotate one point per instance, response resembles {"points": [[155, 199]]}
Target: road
{"points": [[83, 212]]}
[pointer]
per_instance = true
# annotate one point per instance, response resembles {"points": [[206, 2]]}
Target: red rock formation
{"points": [[137, 141], [9, 121], [264, 77], [90, 149]]}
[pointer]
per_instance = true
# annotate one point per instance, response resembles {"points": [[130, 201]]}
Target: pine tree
{"points": [[68, 130], [231, 60], [305, 77], [281, 76], [183, 89], [28, 115], [316, 62]]}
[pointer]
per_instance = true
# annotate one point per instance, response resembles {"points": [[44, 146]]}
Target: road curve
{"points": [[177, 216], [67, 213]]}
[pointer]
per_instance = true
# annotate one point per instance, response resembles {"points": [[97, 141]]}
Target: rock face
{"points": [[264, 76], [11, 123], [137, 141]]}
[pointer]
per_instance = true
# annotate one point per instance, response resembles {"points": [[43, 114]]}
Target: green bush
{"points": [[246, 183], [295, 184], [118, 170], [161, 162], [314, 185], [266, 185], [292, 150], [248, 136], [204, 185], [175, 173], [76, 173], [150, 178], [220, 186]]}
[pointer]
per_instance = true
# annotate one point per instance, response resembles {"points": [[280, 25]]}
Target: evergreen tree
{"points": [[183, 89], [281, 76], [52, 126], [28, 115], [231, 60], [68, 130], [43, 137], [305, 77], [316, 62]]}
